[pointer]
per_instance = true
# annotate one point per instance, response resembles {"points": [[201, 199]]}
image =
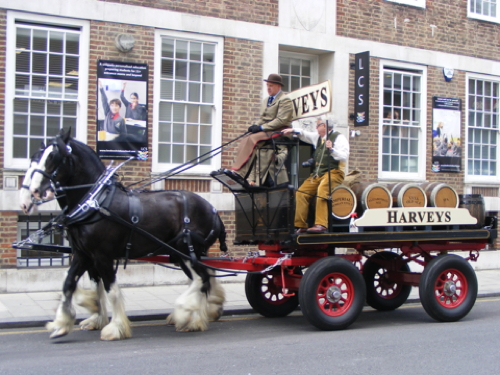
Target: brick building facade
{"points": [[306, 43]]}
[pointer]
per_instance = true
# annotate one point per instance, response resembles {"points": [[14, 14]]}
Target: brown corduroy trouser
{"points": [[315, 186]]}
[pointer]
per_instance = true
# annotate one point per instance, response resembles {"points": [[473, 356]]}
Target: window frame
{"points": [[198, 170], [313, 59], [422, 140], [481, 17], [82, 101], [414, 3], [478, 178]]}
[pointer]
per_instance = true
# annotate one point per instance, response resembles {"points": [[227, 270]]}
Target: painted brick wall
{"points": [[242, 90], [257, 11], [384, 21], [8, 228]]}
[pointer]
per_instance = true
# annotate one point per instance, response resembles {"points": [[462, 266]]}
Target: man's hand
{"points": [[254, 128], [329, 144], [288, 131]]}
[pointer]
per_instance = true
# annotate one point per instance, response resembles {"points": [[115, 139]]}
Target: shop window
{"points": [[482, 129], [189, 100], [44, 79], [402, 124]]}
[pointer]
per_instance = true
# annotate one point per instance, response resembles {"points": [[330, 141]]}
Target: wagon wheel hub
{"points": [[450, 288], [333, 294]]}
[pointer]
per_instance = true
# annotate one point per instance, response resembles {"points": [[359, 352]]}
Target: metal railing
{"points": [[35, 258]]}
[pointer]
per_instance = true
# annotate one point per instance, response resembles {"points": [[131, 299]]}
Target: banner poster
{"points": [[362, 89], [446, 130], [122, 110]]}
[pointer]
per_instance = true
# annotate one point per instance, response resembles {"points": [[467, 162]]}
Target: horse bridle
{"points": [[52, 177]]}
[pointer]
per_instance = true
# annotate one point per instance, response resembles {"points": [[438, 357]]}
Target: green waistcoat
{"points": [[322, 154]]}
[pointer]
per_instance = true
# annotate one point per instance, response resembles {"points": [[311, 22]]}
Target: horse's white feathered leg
{"points": [[95, 303], [64, 320], [119, 328], [191, 307], [216, 299]]}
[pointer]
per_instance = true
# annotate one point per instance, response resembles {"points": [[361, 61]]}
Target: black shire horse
{"points": [[108, 222]]}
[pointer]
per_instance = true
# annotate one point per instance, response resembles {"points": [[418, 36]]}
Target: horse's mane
{"points": [[89, 153]]}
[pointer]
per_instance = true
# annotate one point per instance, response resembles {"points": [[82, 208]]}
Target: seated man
{"points": [[330, 156], [276, 114]]}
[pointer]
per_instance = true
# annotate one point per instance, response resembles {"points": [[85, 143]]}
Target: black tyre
{"points": [[266, 297], [332, 293], [448, 288], [382, 293]]}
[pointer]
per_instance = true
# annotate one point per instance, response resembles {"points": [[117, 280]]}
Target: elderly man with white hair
{"points": [[330, 157]]}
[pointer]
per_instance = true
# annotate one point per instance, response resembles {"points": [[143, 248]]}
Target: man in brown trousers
{"points": [[276, 115]]}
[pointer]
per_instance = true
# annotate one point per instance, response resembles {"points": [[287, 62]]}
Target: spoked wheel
{"points": [[266, 297], [382, 293], [332, 293], [448, 288]]}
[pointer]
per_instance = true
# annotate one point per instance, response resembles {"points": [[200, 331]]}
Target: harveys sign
{"points": [[314, 100], [413, 216]]}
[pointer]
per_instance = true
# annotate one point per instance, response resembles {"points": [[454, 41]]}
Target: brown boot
{"points": [[317, 229]]}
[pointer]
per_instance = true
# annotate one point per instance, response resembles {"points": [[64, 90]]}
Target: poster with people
{"points": [[122, 110], [446, 130]]}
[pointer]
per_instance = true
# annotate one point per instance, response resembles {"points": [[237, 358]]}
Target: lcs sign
{"points": [[314, 100], [362, 89]]}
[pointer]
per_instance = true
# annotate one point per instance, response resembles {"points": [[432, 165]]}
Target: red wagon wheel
{"points": [[382, 293], [266, 297], [448, 288], [332, 293]]}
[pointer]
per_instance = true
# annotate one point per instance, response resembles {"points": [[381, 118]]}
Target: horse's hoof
{"points": [[93, 323], [216, 314], [170, 320], [60, 332], [113, 332], [88, 326]]}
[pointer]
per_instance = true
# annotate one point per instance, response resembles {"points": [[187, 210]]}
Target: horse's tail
{"points": [[222, 235]]}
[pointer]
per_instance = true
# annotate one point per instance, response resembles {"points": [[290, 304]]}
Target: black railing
{"points": [[28, 225]]}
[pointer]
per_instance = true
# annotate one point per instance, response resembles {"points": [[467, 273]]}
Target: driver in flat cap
{"points": [[276, 115]]}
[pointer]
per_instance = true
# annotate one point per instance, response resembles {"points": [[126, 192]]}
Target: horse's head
{"points": [[25, 198], [53, 167]]}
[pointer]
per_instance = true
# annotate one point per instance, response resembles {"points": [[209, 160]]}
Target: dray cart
{"points": [[332, 286]]}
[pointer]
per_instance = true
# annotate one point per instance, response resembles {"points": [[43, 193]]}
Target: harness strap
{"points": [[135, 214]]}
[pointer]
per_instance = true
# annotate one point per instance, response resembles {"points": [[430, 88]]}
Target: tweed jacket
{"points": [[278, 115]]}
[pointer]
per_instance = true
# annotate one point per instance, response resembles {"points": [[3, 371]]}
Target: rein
{"points": [[187, 165]]}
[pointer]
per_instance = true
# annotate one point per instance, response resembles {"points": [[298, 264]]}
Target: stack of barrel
{"points": [[362, 196]]}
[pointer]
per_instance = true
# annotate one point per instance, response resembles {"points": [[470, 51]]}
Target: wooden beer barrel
{"points": [[372, 195], [407, 195], [475, 204], [343, 202], [440, 195]]}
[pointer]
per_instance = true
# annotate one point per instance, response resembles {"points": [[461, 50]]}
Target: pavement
{"points": [[156, 302]]}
